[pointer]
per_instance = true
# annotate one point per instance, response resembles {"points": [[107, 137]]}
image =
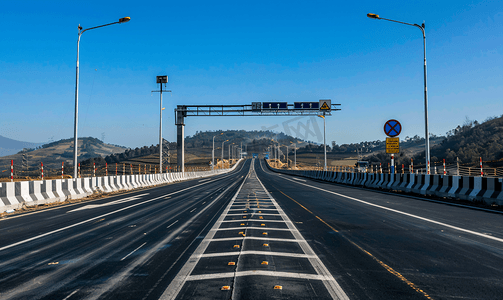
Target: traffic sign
{"points": [[306, 105], [392, 145], [274, 105], [326, 105], [392, 128]]}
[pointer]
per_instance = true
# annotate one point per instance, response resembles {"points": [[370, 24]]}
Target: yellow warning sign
{"points": [[392, 145], [326, 105]]}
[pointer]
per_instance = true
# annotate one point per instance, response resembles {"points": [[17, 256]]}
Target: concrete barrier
{"points": [[487, 190], [15, 195]]}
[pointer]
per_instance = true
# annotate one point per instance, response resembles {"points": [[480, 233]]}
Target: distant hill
{"points": [[53, 154], [10, 146], [472, 141]]}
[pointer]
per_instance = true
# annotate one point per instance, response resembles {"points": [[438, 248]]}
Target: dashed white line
{"points": [[193, 209], [133, 251], [172, 224], [68, 297]]}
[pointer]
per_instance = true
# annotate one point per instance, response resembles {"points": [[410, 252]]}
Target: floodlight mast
{"points": [[183, 111], [163, 79]]}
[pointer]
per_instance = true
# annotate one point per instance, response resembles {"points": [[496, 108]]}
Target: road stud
{"points": [[237, 246], [266, 245], [262, 224], [244, 217], [242, 224], [259, 212], [225, 288], [278, 287], [264, 233], [231, 263], [264, 263], [260, 217]]}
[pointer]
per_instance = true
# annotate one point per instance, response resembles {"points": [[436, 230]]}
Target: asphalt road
{"points": [[385, 246], [253, 234]]}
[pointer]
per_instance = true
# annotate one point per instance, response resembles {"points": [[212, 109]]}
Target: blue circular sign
{"points": [[392, 128]]}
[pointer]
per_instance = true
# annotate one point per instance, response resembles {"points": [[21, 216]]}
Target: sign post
{"points": [[392, 128]]}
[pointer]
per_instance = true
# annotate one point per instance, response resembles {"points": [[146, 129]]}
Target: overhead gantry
{"points": [[324, 107]]}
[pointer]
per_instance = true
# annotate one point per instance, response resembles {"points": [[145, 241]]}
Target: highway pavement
{"points": [[253, 234]]}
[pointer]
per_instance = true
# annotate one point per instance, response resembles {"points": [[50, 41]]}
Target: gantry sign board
{"points": [[326, 105], [392, 128]]}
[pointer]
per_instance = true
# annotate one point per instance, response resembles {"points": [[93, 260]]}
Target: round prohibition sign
{"points": [[392, 128]]}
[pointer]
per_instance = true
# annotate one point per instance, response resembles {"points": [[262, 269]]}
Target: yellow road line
{"points": [[388, 268]]}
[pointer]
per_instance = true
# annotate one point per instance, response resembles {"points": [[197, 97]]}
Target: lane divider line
{"points": [[258, 273], [133, 251]]}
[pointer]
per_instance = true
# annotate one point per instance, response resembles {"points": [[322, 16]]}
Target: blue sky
{"points": [[241, 52]]}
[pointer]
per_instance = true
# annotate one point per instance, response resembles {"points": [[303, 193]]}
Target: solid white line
{"points": [[253, 210], [133, 251], [251, 252], [407, 214], [254, 220], [256, 238], [252, 213], [260, 228], [172, 224], [257, 273], [298, 179], [92, 219]]}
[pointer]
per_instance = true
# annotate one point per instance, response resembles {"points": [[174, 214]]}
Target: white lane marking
{"points": [[205, 180], [253, 210], [407, 214], [68, 297], [193, 209], [256, 238], [133, 251], [258, 273], [254, 213], [261, 228], [331, 284], [177, 283], [251, 252], [298, 179], [108, 203], [172, 224], [98, 217], [254, 220]]}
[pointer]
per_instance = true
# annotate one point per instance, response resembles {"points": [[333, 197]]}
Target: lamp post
{"points": [[213, 152], [426, 132], [324, 141], [75, 124], [163, 79], [223, 153]]}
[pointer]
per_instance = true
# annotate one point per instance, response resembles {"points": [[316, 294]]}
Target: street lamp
{"points": [[426, 132], [324, 141], [121, 20], [213, 153], [223, 153]]}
